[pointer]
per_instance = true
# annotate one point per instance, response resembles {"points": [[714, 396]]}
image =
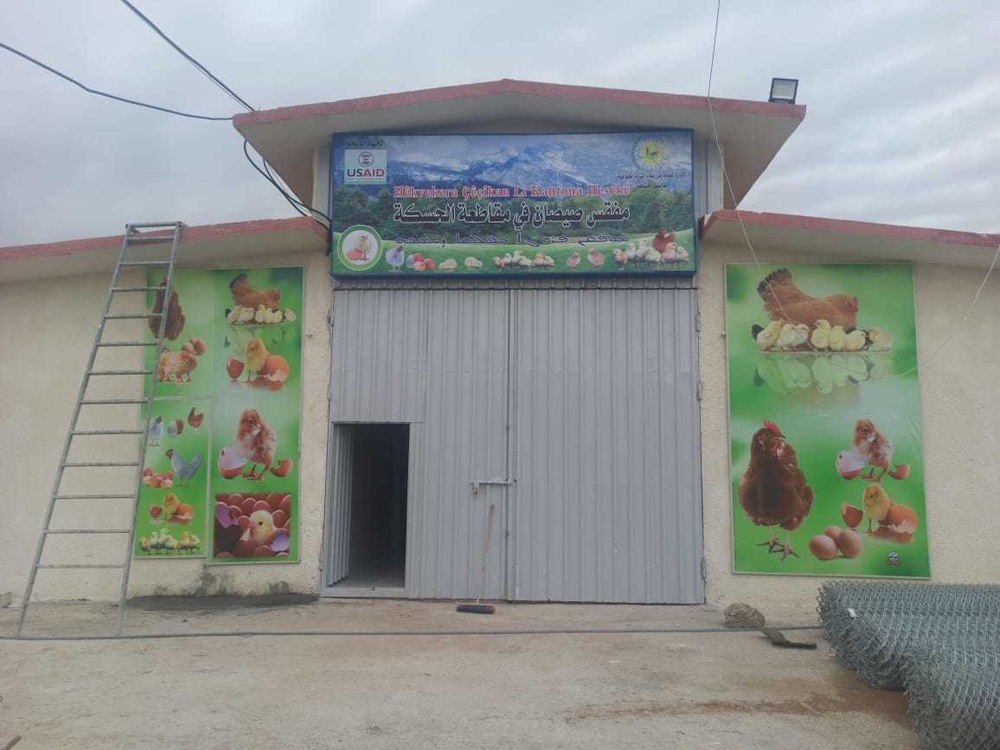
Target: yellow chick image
{"points": [[855, 340], [768, 336], [877, 503], [261, 529], [838, 339], [820, 338]]}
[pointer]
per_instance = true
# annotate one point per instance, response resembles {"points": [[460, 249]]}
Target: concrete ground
{"points": [[465, 685]]}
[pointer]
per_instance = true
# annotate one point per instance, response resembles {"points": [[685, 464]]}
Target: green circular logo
{"points": [[359, 247], [649, 153]]}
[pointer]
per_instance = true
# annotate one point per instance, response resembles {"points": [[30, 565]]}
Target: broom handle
{"points": [[486, 552]]}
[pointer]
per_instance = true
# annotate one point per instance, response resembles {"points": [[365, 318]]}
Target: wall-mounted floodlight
{"points": [[783, 90]]}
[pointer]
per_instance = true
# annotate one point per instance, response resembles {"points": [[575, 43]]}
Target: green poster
{"points": [[540, 204], [221, 471], [826, 449]]}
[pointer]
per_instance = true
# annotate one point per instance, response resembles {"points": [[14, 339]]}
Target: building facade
{"points": [[573, 432]]}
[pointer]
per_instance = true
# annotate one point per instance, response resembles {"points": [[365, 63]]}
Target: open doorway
{"points": [[373, 491]]}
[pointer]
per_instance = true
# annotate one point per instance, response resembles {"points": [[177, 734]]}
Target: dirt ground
{"points": [[506, 680]]}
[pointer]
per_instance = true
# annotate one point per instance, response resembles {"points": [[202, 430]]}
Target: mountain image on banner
{"points": [[561, 163]]}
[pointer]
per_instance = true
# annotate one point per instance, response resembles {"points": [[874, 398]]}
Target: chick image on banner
{"points": [[824, 357], [227, 401]]}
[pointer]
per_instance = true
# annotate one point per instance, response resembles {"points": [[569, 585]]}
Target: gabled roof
{"points": [[751, 132], [812, 235]]}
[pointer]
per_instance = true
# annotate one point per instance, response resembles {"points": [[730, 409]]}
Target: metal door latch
{"points": [[476, 483]]}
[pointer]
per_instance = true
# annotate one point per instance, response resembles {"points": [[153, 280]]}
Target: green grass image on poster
{"points": [[825, 421], [474, 259], [227, 409]]}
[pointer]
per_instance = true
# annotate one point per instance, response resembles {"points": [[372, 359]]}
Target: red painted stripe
{"points": [[845, 226], [205, 232]]}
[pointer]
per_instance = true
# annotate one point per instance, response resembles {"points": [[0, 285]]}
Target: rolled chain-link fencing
{"points": [[938, 642]]}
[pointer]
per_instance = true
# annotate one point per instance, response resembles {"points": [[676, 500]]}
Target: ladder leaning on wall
{"points": [[146, 243]]}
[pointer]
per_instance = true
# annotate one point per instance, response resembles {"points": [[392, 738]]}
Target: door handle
{"points": [[477, 483]]}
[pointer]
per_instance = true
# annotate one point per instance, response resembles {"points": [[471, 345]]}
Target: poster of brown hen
{"points": [[826, 445]]}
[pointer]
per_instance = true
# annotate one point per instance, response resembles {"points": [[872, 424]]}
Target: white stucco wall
{"points": [[960, 390], [46, 328]]}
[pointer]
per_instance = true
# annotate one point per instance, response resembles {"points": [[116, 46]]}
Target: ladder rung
{"points": [[129, 316], [155, 225], [135, 288], [127, 343], [94, 497], [145, 263], [78, 567], [121, 372], [87, 531], [106, 432], [93, 464], [95, 401]]}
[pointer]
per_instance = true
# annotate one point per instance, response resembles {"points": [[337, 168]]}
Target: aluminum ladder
{"points": [[136, 236]]}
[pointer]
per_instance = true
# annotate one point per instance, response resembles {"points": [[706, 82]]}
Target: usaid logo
{"points": [[365, 166]]}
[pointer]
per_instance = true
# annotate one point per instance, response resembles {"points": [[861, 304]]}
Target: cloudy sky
{"points": [[903, 96]]}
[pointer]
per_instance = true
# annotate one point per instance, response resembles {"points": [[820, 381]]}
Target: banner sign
{"points": [[492, 205], [221, 473], [824, 421]]}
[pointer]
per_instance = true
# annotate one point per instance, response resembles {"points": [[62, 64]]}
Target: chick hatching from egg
{"points": [[255, 355]]}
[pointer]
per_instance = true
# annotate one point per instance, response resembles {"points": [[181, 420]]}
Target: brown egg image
{"points": [[833, 532], [852, 516], [284, 466], [244, 548], [280, 518], [275, 369], [823, 547], [850, 543], [234, 368], [902, 519]]}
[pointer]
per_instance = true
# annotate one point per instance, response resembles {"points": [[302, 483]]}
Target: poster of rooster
{"points": [[221, 475], [826, 447]]}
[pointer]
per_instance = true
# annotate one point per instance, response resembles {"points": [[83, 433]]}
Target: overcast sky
{"points": [[903, 122]]}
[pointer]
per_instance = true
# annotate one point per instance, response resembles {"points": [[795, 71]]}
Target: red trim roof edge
{"points": [[205, 232], [512, 86], [847, 226]]}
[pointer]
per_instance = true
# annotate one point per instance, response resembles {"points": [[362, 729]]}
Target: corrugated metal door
{"points": [[400, 356], [338, 519], [606, 452], [464, 438], [599, 389]]}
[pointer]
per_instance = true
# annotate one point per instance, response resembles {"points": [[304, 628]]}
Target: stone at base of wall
{"points": [[5, 599]]}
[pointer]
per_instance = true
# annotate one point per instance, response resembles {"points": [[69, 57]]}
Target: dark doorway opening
{"points": [[377, 534]]}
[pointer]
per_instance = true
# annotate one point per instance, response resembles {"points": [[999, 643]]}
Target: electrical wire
{"points": [[298, 205], [105, 94], [746, 235], [205, 71], [266, 173]]}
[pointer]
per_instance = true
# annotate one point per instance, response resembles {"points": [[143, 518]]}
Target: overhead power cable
{"points": [[266, 173], [105, 94], [205, 71]]}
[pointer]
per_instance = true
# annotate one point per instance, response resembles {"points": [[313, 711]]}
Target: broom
{"points": [[477, 608]]}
